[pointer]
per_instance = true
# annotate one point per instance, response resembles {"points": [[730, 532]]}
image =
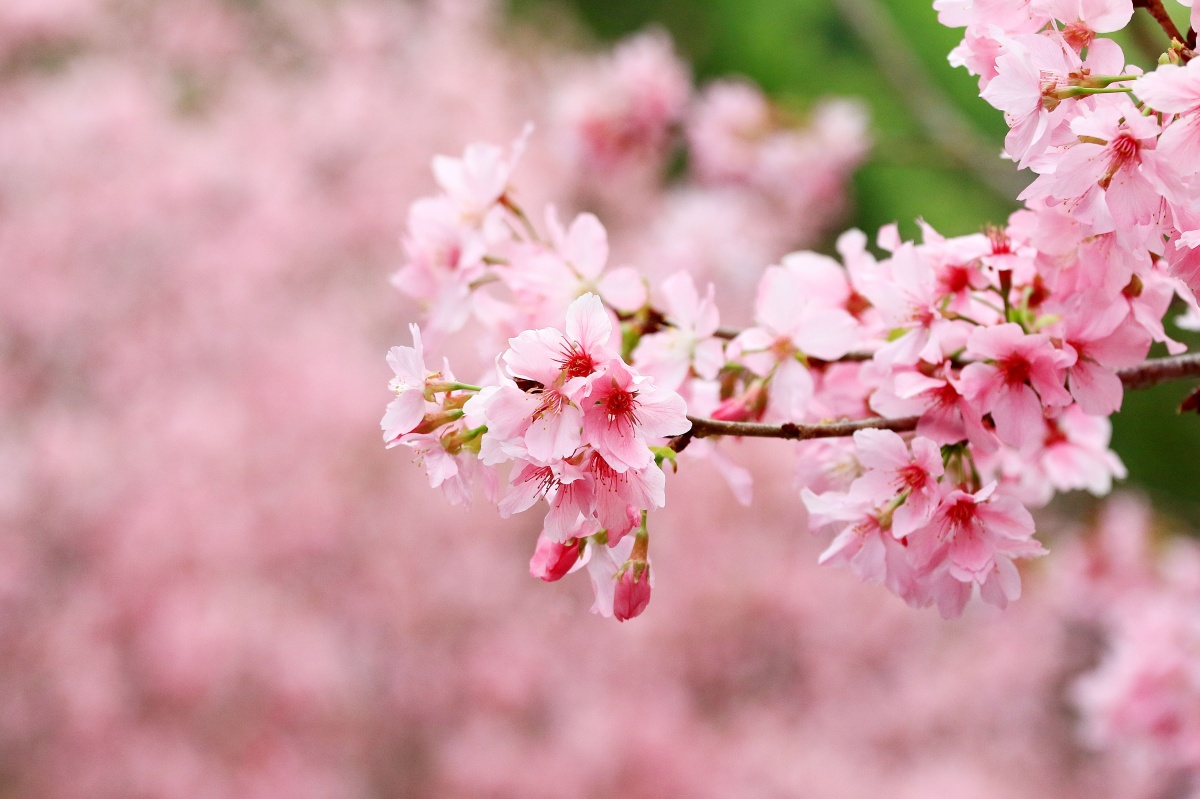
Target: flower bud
{"points": [[552, 560], [633, 590], [748, 405]]}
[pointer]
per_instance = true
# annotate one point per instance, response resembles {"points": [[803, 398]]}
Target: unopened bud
{"points": [[633, 590], [551, 560], [748, 405], [436, 420]]}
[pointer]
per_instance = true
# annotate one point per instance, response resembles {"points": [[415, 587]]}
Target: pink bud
{"points": [[748, 405], [633, 591], [552, 560], [733, 409]]}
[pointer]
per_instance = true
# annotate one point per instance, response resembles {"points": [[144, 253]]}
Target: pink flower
{"points": [[529, 482], [547, 279], [450, 464], [865, 544], [477, 181], [1083, 19], [1024, 373], [559, 366], [687, 343], [604, 562], [1104, 338], [1173, 90], [624, 412], [1112, 177], [445, 255], [892, 472], [618, 498], [974, 537], [1029, 75], [619, 112], [407, 410], [910, 297], [1074, 455], [792, 322]]}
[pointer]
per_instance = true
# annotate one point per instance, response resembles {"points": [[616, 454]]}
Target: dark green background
{"points": [[801, 50]]}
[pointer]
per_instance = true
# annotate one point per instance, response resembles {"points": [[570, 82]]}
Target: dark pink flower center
{"points": [[1125, 148], [912, 476], [1015, 370], [575, 362], [960, 517], [945, 396], [955, 279], [619, 402], [1054, 435]]}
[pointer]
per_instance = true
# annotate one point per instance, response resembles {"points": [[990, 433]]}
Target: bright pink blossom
{"points": [[893, 472], [623, 413], [1024, 372]]}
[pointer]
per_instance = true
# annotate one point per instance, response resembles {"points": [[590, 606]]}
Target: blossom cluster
{"points": [[1005, 346]]}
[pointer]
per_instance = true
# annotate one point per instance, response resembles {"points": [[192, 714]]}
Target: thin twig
{"points": [[1145, 375]]}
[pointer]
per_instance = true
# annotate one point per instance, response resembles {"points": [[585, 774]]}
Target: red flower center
{"points": [[620, 402], [1015, 370], [575, 362]]}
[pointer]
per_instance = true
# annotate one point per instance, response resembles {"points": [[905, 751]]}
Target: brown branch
{"points": [[1160, 370], [1155, 7], [704, 428], [1145, 375]]}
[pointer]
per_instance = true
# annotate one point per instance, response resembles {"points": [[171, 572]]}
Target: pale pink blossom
{"points": [[1175, 90], [909, 296], [1104, 339], [686, 344], [619, 497], [604, 561], [1112, 177], [406, 411], [1029, 75], [478, 180], [1083, 19], [548, 279], [619, 110], [1073, 455]]}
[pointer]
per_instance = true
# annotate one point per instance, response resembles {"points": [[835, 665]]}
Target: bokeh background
{"points": [[214, 582]]}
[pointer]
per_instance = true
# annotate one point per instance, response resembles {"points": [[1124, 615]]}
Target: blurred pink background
{"points": [[214, 581]]}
